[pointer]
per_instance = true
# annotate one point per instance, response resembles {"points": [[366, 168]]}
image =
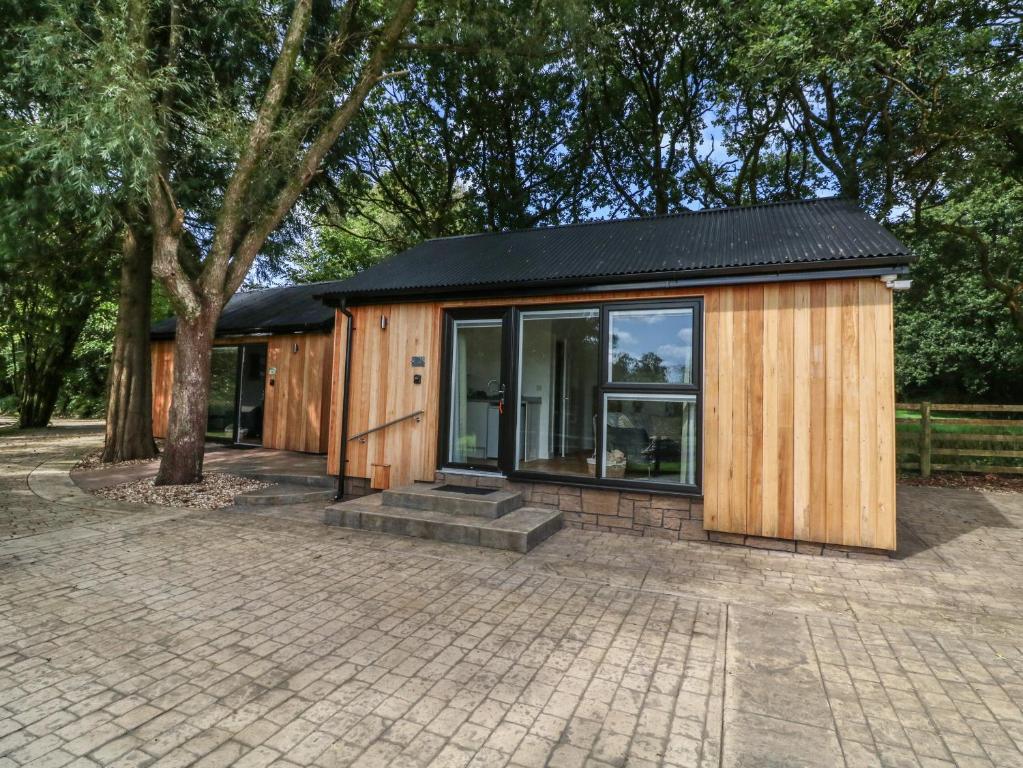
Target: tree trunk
{"points": [[45, 368], [186, 422], [129, 431]]}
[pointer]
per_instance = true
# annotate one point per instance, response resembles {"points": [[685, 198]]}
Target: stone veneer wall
{"points": [[634, 513]]}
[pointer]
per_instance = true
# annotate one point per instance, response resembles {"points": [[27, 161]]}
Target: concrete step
{"points": [[285, 494], [316, 481], [517, 531], [490, 503]]}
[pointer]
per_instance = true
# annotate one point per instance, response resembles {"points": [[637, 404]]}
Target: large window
{"points": [[651, 346], [651, 394], [611, 393]]}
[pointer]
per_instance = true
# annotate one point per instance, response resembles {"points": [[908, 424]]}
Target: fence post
{"points": [[925, 439]]}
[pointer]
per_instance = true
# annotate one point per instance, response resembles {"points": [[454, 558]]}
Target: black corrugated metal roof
{"points": [[825, 233], [272, 310]]}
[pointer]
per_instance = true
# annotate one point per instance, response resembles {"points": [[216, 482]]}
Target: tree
{"points": [[54, 267], [66, 100], [301, 97], [129, 416], [647, 67]]}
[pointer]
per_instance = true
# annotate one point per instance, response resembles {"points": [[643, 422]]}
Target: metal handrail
{"points": [[416, 415]]}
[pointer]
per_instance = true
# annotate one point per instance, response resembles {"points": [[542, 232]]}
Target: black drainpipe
{"points": [[342, 454]]}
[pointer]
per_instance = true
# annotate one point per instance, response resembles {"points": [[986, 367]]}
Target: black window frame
{"points": [[238, 348], [606, 386], [508, 317]]}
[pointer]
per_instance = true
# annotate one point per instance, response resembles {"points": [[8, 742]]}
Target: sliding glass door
{"points": [[476, 392], [237, 393], [559, 369]]}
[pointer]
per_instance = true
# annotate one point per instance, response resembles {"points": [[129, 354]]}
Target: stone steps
{"points": [[518, 530]]}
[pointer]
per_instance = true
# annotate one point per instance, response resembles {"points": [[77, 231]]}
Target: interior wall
{"points": [[296, 414]]}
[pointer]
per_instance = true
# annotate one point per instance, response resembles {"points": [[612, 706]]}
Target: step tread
{"points": [[495, 503], [523, 518], [283, 494]]}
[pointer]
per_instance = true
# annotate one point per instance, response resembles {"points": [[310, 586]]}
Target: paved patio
{"points": [[156, 636]]}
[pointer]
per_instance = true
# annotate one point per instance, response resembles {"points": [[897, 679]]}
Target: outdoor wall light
{"points": [[383, 322], [893, 282]]}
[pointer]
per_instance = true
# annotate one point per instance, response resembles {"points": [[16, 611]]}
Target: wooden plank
{"points": [[726, 464], [737, 486], [851, 409], [1001, 453], [886, 531], [976, 408], [817, 406], [786, 467], [979, 468], [711, 412], [925, 439], [754, 378], [866, 310], [802, 406], [965, 437], [834, 411], [942, 421], [771, 441]]}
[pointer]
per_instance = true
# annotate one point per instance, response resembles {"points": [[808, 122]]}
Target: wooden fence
{"points": [[959, 438]]}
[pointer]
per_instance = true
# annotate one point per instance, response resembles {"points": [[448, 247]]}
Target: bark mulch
{"points": [[975, 481]]}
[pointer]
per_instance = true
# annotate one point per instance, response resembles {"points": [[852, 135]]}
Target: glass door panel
{"points": [[220, 415], [559, 372], [252, 389], [477, 393]]}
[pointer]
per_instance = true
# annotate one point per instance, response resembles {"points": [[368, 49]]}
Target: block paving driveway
{"points": [[159, 637]]}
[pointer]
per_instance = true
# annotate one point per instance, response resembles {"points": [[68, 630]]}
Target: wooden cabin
{"points": [[724, 374]]}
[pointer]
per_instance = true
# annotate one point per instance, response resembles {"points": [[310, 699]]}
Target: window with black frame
{"points": [[651, 394]]}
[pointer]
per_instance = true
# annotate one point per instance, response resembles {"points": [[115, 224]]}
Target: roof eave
{"points": [[896, 261], [265, 330]]}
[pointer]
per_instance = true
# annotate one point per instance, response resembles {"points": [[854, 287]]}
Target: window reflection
{"points": [[652, 346], [651, 437]]}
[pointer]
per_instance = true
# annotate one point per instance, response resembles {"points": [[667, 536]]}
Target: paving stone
{"points": [[147, 637]]}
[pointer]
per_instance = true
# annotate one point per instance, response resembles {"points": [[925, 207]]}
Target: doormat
{"points": [[466, 489]]}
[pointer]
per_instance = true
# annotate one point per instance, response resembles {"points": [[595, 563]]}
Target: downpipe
{"points": [[342, 454]]}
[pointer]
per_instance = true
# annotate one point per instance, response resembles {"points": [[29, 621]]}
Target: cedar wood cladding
{"points": [[296, 408], [798, 403]]}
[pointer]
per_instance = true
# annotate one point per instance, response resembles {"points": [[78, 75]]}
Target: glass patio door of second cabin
{"points": [[476, 392], [237, 392]]}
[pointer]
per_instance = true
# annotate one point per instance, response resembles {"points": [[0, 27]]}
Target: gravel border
{"points": [[216, 491]]}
